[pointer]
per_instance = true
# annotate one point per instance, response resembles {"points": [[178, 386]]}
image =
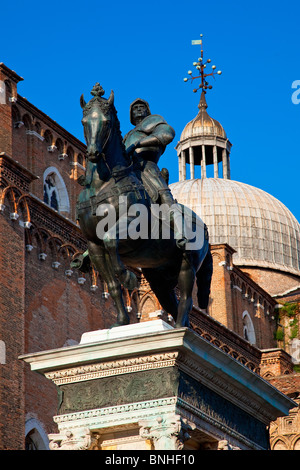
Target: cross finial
{"points": [[201, 66]]}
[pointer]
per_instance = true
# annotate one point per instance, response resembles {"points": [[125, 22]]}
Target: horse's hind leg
{"points": [[186, 281], [101, 260], [203, 277], [163, 290]]}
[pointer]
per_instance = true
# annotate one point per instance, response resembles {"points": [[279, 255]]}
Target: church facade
{"points": [[45, 305]]}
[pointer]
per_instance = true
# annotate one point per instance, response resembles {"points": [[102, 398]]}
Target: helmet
{"points": [[138, 100]]}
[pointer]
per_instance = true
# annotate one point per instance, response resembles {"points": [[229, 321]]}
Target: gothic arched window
{"points": [[55, 191], [35, 436], [248, 328]]}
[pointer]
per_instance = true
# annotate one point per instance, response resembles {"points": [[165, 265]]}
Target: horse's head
{"points": [[97, 122]]}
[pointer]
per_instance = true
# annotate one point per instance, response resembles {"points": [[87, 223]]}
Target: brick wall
{"points": [[273, 282], [58, 311], [237, 301], [12, 278], [287, 384], [40, 143], [275, 362]]}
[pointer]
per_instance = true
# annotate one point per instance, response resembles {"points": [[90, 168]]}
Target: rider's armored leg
{"points": [[176, 217], [152, 176]]}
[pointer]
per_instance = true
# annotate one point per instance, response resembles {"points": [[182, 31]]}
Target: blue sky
{"points": [[143, 49]]}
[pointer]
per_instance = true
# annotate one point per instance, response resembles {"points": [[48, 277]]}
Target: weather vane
{"points": [[201, 66]]}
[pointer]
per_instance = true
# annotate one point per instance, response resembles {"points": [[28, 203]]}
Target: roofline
{"points": [[28, 106], [11, 73]]}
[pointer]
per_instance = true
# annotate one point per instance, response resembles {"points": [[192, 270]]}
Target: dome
{"points": [[203, 124], [259, 227]]}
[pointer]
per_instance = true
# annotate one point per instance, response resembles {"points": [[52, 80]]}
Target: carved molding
{"points": [[185, 362], [221, 386], [115, 415], [77, 439], [212, 424], [44, 216], [145, 415], [206, 328], [112, 368]]}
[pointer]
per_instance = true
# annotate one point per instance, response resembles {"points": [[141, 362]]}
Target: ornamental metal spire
{"points": [[201, 66]]}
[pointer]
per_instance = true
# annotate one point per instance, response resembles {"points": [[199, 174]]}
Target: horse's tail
{"points": [[203, 280]]}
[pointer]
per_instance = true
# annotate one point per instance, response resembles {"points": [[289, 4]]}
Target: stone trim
{"points": [[35, 134], [116, 415], [207, 423], [112, 368]]}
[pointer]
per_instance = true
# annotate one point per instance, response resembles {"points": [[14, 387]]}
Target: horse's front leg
{"points": [[111, 242], [102, 262]]}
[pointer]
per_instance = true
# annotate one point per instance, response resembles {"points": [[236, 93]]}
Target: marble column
{"points": [[216, 172], [228, 167], [180, 166], [192, 163], [183, 166], [224, 162], [203, 163]]}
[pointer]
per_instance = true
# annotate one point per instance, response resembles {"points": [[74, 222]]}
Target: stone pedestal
{"points": [[153, 387]]}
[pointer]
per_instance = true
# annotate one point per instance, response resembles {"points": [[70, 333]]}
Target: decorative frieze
{"points": [[112, 368], [116, 415], [12, 173]]}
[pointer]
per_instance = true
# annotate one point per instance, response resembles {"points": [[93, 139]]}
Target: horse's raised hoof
{"points": [[128, 280]]}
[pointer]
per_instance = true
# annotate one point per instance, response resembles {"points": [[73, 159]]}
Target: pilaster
{"points": [[167, 432], [8, 96]]}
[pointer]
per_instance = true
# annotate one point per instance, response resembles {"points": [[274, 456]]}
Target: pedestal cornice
{"points": [[155, 345]]}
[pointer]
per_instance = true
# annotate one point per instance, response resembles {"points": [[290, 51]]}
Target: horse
{"points": [[110, 178]]}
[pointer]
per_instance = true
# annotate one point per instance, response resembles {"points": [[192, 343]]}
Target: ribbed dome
{"points": [[202, 124], [260, 228]]}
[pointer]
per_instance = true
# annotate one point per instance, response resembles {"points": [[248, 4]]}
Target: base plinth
{"points": [[151, 386]]}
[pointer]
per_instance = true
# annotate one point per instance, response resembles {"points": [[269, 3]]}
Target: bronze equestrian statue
{"points": [[121, 175]]}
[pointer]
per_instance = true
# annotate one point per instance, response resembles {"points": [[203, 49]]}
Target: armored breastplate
{"points": [[149, 126]]}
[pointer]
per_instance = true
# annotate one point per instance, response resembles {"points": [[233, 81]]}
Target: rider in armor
{"points": [[144, 145]]}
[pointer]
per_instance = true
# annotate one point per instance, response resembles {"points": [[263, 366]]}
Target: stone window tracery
{"points": [[50, 193], [248, 328], [55, 191]]}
